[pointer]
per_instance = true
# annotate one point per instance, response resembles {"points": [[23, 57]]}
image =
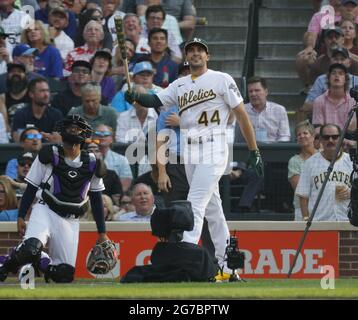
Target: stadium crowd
{"points": [[69, 62]]}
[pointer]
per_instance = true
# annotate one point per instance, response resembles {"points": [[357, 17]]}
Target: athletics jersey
{"points": [[312, 176], [204, 102]]}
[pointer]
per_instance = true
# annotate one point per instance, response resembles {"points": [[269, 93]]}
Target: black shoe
{"points": [[3, 273]]}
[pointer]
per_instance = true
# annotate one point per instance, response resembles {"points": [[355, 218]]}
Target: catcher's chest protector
{"points": [[69, 183]]}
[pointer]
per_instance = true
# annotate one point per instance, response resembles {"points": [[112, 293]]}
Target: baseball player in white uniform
{"points": [[205, 99], [63, 179], [333, 205]]}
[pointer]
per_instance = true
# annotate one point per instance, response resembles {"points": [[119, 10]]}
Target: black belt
{"points": [[201, 140]]}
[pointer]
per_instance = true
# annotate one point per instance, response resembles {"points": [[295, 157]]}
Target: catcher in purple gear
{"points": [[63, 178]]}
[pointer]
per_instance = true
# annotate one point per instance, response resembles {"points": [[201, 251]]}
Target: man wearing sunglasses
{"points": [[335, 198], [30, 141]]}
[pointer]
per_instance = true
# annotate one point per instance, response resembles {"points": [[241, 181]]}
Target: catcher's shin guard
{"points": [[29, 251]]}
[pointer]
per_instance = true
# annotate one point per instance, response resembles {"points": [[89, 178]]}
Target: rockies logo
{"points": [[72, 174]]}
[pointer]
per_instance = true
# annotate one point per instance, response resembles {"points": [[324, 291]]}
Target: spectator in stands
{"points": [[350, 37], [154, 18], [334, 105], [101, 64], [338, 55], [349, 7], [8, 202], [43, 15], [251, 184], [4, 51], [48, 62], [30, 141], [113, 160], [58, 21], [170, 22], [71, 96], [335, 199], [118, 72], [125, 206], [269, 119], [25, 55], [16, 94], [305, 135], [92, 110], [143, 202], [111, 10], [143, 74], [166, 69], [11, 25], [111, 181], [185, 13], [94, 14], [334, 39], [108, 210], [19, 183], [38, 113], [93, 35], [132, 29], [134, 6]]}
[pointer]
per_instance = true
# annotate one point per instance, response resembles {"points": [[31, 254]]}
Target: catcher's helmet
{"points": [[74, 119]]}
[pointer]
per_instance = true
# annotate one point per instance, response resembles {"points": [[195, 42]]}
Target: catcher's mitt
{"points": [[103, 258]]}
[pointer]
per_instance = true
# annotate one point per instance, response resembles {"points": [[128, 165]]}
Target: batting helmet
{"points": [[76, 120]]}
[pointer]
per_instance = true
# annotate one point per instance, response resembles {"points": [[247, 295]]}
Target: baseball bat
{"points": [[122, 46]]}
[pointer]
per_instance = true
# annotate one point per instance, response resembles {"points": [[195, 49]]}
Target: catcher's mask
{"points": [[170, 223], [103, 258], [74, 120]]}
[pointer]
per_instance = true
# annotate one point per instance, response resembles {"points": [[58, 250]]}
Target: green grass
{"points": [[253, 289]]}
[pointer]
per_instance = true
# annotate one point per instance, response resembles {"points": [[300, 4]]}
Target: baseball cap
{"points": [[15, 65], [81, 63], [336, 30], [59, 10], [143, 66], [25, 155], [344, 2], [196, 41], [337, 66], [103, 53], [24, 50], [340, 50]]}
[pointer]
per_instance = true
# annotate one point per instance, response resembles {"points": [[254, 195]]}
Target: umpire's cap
{"points": [[198, 41]]}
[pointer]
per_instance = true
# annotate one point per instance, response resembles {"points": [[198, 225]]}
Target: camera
{"points": [[234, 257]]}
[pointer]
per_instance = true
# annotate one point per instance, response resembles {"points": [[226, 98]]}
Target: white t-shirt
{"points": [[40, 172], [311, 180], [204, 103]]}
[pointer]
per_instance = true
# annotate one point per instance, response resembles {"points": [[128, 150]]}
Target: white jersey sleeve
{"points": [[169, 96], [38, 172], [231, 92]]}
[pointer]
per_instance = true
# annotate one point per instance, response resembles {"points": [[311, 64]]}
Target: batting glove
{"points": [[130, 96], [255, 162]]}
